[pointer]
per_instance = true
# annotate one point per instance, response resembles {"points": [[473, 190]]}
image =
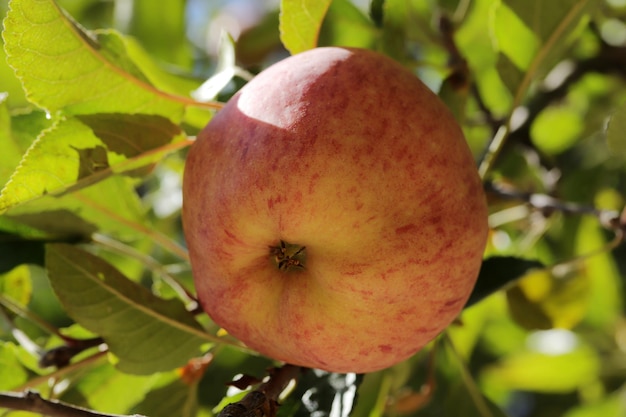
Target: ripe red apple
{"points": [[333, 213]]}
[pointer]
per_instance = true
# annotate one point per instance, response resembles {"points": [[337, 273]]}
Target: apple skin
{"points": [[347, 153]]}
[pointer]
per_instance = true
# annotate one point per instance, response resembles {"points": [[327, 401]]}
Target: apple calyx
{"points": [[288, 256]]}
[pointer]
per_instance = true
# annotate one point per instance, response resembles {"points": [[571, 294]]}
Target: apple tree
{"points": [[99, 103]]}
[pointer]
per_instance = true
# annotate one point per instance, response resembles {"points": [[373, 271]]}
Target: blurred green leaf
{"points": [[300, 22], [544, 300], [395, 24], [176, 398], [372, 395], [472, 402], [605, 293], [64, 67], [13, 373], [16, 284], [498, 272], [547, 18], [510, 74], [612, 405], [515, 39], [106, 389], [346, 25], [615, 132], [533, 35], [162, 30], [147, 334], [556, 129], [534, 371], [255, 43], [93, 147]]}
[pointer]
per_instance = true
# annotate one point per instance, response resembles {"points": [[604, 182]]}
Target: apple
{"points": [[333, 213]]}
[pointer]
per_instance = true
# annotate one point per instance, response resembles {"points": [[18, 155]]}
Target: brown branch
{"points": [[263, 401], [609, 219], [33, 402]]}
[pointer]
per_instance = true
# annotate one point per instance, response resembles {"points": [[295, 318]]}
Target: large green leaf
{"points": [[532, 35], [79, 151], [62, 66], [146, 333], [300, 22]]}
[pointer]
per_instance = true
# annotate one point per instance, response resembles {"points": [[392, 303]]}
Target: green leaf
{"points": [[11, 154], [545, 18], [510, 74], [17, 133], [108, 390], [515, 39], [13, 373], [162, 30], [533, 35], [544, 300], [531, 370], [77, 152], [556, 129], [615, 132], [177, 398], [300, 22], [346, 25], [606, 304], [64, 67], [611, 405], [498, 272], [146, 333], [16, 284]]}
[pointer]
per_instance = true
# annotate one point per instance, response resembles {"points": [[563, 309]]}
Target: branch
{"points": [[33, 402], [263, 401], [609, 219]]}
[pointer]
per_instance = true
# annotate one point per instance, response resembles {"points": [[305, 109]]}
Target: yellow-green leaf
{"points": [[64, 67], [300, 22], [77, 152]]}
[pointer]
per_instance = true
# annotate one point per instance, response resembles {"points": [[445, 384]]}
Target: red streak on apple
{"points": [[345, 152]]}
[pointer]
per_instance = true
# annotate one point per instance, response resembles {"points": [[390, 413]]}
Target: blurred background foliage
{"points": [[540, 90]]}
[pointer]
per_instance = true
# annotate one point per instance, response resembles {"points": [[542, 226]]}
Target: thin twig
{"points": [[610, 219], [33, 402]]}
